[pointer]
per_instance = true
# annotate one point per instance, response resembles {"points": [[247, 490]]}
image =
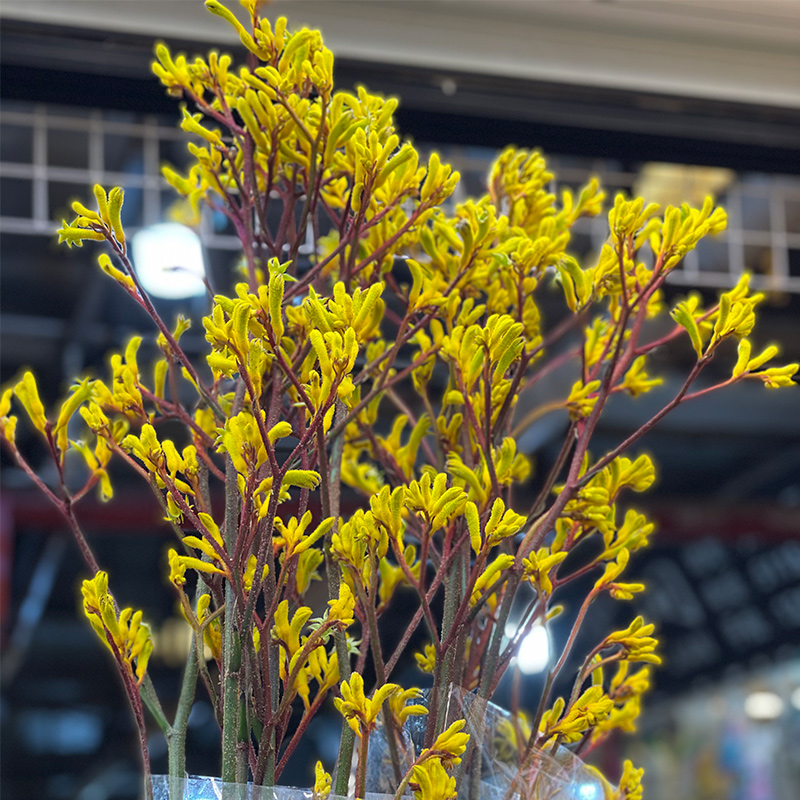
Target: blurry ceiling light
{"points": [[59, 731], [763, 706], [449, 87], [173, 642], [795, 698], [533, 654], [673, 184], [168, 258]]}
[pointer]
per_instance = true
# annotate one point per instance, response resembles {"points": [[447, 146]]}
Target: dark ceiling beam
{"points": [[678, 519]]}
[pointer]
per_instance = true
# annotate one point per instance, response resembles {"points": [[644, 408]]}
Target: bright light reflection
{"points": [[534, 651], [169, 261], [763, 705], [588, 791], [795, 698]]}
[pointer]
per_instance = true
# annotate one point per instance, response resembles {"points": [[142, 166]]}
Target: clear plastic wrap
{"points": [[491, 768], [196, 787]]}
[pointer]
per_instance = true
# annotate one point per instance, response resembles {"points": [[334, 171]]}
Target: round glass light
{"points": [[168, 259], [533, 655]]}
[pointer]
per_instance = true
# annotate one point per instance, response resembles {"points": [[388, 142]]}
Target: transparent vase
{"points": [[492, 768]]}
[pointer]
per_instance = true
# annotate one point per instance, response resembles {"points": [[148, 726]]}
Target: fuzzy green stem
{"points": [[453, 592], [150, 699], [493, 654], [230, 696], [242, 741], [176, 737], [380, 672], [231, 647], [404, 783]]}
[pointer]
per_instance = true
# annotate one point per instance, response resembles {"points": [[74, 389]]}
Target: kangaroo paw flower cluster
{"points": [[358, 407]]}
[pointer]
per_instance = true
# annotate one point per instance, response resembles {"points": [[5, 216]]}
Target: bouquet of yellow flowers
{"points": [[388, 363]]}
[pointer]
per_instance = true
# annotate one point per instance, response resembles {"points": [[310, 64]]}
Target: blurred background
{"points": [[672, 100]]}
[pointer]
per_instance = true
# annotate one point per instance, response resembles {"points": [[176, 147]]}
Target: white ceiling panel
{"points": [[723, 49]]}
